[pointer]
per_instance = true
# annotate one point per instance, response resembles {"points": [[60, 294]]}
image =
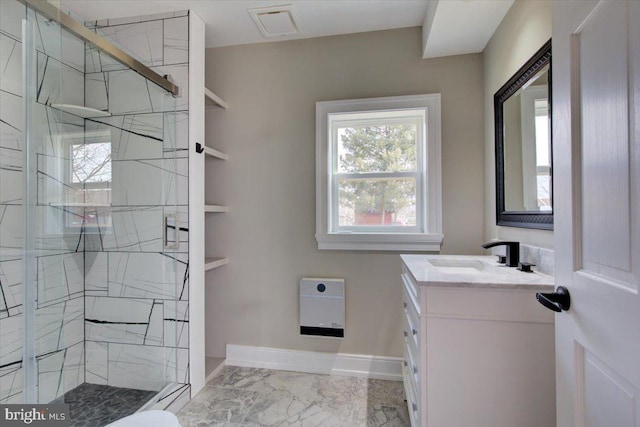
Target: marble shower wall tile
{"points": [[58, 83], [59, 372], [11, 283], [11, 176], [11, 334], [138, 366], [60, 45], [52, 238], [59, 326], [133, 137], [180, 75], [11, 15], [96, 92], [176, 323], [176, 134], [10, 65], [96, 371], [96, 265], [11, 385], [11, 224], [60, 278], [143, 40], [134, 229], [150, 182], [133, 19], [96, 61], [183, 226], [178, 365], [124, 320], [136, 295], [53, 130], [145, 275], [11, 121], [176, 40], [130, 93]]}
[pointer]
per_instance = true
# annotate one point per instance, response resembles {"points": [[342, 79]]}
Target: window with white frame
{"points": [[378, 174]]}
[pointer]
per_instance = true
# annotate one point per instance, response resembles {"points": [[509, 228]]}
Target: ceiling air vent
{"points": [[275, 22]]}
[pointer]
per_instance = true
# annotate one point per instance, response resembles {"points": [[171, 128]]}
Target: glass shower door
{"points": [[104, 269], [11, 202], [53, 288]]}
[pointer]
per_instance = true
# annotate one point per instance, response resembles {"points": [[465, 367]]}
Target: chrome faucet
{"points": [[513, 251]]}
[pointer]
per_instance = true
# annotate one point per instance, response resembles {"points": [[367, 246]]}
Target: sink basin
{"points": [[458, 266], [471, 271]]}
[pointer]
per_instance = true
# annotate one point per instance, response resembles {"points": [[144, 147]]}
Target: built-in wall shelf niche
{"points": [[213, 100], [215, 208], [211, 263], [215, 153]]}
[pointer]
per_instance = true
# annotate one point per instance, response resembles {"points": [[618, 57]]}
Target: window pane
{"points": [[377, 202], [382, 148], [91, 162]]}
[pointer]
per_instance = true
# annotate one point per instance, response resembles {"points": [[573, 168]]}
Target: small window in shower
{"points": [[89, 182]]}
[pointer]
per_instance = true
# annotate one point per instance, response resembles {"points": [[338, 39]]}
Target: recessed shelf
{"points": [[215, 208], [215, 153], [211, 263], [81, 111], [214, 100]]}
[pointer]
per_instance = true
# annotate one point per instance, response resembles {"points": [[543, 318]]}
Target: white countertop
{"points": [[474, 271]]}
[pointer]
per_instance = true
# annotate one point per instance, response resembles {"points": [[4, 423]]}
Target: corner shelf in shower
{"points": [[215, 208], [213, 100], [211, 263], [80, 205], [81, 111]]}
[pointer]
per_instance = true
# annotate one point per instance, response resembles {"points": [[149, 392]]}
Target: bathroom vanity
{"points": [[479, 349]]}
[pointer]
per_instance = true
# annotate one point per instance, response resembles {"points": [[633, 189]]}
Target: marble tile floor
{"points": [[264, 397], [94, 405]]}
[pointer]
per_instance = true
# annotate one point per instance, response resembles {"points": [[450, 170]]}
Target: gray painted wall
{"points": [[269, 183]]}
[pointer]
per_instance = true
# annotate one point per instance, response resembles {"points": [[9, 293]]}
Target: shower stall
{"points": [[92, 196]]}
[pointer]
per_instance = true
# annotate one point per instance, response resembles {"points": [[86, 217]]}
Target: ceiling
{"points": [[453, 26]]}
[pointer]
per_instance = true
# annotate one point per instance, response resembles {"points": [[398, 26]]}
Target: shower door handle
{"points": [[171, 234]]}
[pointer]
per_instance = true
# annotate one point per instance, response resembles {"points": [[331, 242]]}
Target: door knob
{"points": [[556, 301]]}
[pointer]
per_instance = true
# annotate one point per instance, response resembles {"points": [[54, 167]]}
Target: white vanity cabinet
{"points": [[479, 348]]}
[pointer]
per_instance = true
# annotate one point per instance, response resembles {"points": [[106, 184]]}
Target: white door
{"points": [[596, 137]]}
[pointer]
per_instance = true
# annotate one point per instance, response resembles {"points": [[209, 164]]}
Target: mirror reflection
{"points": [[527, 147], [524, 163]]}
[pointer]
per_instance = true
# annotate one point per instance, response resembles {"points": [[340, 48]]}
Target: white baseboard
{"points": [[354, 365]]}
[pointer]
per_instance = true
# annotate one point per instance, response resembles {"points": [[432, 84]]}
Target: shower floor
{"points": [[94, 405]]}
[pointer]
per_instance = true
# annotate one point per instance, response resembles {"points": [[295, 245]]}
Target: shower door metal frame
{"points": [[78, 29]]}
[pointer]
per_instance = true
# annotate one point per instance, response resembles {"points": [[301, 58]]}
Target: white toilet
{"points": [[148, 419]]}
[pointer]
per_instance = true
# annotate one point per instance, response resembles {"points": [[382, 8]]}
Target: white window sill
{"points": [[380, 242]]}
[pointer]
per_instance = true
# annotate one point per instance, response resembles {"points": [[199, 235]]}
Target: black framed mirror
{"points": [[524, 163]]}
